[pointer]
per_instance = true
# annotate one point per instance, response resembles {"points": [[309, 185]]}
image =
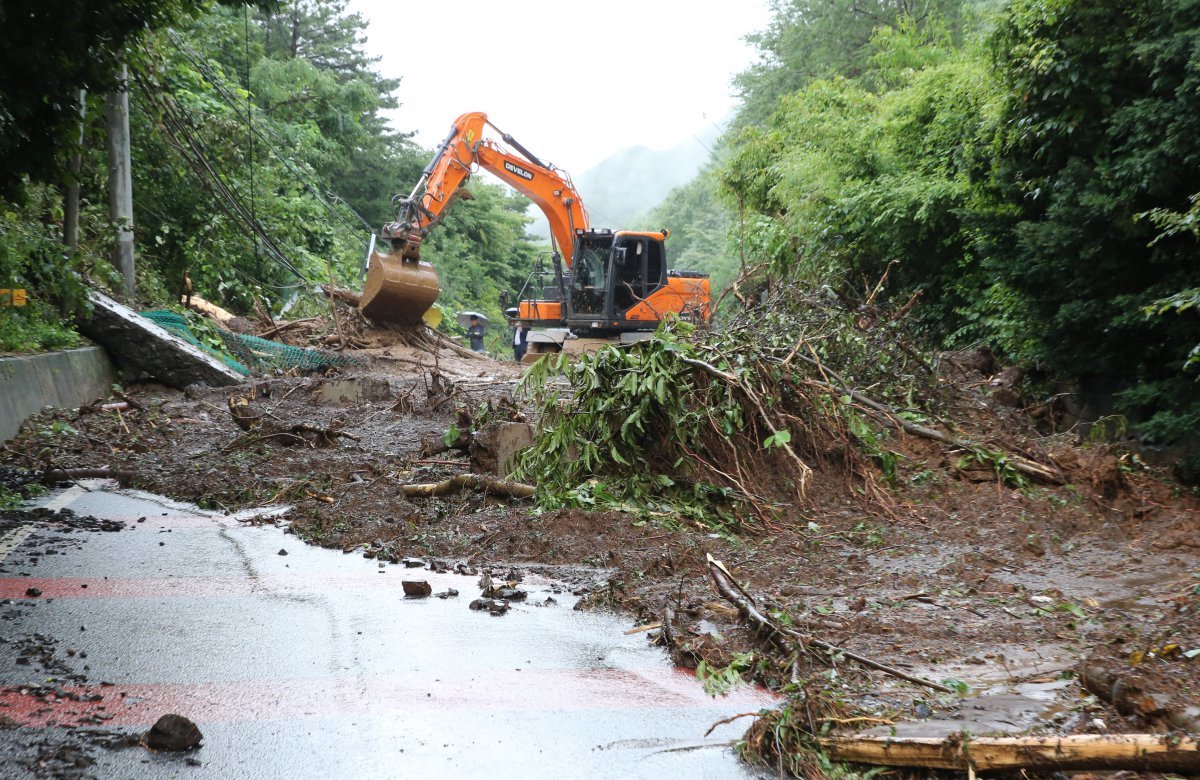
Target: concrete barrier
{"points": [[63, 379]]}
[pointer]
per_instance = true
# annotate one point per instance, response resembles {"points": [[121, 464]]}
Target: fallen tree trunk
{"points": [[1137, 752], [341, 294], [50, 476], [469, 481]]}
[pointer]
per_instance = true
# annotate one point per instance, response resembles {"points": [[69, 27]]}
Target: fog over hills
{"points": [[634, 180]]}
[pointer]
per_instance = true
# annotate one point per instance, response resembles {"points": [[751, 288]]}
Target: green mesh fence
{"points": [[250, 353]]}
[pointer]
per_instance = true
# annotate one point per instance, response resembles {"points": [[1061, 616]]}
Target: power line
{"points": [[238, 105], [197, 158]]}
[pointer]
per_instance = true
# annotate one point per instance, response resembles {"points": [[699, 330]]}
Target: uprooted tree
{"points": [[730, 429]]}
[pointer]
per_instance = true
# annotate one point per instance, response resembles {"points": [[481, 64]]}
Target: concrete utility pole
{"points": [[120, 179], [71, 207]]}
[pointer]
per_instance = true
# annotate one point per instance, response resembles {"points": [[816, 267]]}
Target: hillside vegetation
{"points": [[1027, 169]]}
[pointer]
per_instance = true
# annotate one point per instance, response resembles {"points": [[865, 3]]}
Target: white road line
{"points": [[63, 499], [13, 538]]}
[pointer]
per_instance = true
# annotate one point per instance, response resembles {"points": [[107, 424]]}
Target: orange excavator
{"points": [[605, 282]]}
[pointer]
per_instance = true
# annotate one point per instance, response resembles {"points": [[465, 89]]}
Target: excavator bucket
{"points": [[398, 289]]}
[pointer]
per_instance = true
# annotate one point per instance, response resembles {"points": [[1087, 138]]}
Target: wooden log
{"points": [[210, 309], [341, 294], [469, 481], [50, 476], [1137, 752]]}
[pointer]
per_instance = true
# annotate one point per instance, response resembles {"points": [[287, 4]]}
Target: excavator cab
{"points": [[613, 275]]}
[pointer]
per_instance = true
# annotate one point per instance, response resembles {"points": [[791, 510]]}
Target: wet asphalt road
{"points": [[313, 664]]}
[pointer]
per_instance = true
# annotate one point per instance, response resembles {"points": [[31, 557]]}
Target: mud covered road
{"points": [[296, 661], [1009, 594]]}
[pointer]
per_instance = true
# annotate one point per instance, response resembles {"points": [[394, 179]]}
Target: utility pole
{"points": [[71, 207], [120, 179]]}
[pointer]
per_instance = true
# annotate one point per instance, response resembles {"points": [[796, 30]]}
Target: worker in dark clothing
{"points": [[475, 334], [520, 340]]}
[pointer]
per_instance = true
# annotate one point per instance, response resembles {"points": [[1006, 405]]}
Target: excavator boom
{"points": [[400, 287]]}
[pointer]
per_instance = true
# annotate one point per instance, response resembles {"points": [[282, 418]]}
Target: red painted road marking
{"points": [[258, 700]]}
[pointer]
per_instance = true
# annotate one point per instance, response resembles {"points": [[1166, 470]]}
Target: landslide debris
{"points": [[901, 505]]}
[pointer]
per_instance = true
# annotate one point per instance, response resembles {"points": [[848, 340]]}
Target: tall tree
{"points": [[1105, 121], [50, 51], [814, 39]]}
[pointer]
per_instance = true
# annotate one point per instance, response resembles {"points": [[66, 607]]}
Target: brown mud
{"points": [[1006, 592]]}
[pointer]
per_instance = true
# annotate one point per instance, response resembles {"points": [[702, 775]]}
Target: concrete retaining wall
{"points": [[64, 379]]}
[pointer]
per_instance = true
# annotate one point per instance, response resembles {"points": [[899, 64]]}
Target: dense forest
{"points": [[1025, 172]]}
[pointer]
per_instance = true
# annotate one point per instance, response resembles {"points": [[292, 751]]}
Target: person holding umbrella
{"points": [[475, 333]]}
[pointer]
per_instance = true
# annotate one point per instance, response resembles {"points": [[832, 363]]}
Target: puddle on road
{"points": [[314, 658]]}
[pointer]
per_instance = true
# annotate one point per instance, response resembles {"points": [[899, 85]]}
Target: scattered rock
{"points": [[510, 594], [494, 606], [495, 446], [282, 551], [33, 592], [173, 732], [417, 589], [413, 563], [448, 594]]}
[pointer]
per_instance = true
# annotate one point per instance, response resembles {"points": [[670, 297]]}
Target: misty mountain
{"points": [[634, 180]]}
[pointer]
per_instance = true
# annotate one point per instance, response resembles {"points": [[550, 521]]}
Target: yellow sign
{"points": [[12, 297]]}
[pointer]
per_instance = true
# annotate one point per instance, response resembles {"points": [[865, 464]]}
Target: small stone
{"points": [[173, 732], [417, 589], [413, 563], [448, 594], [282, 551], [34, 592]]}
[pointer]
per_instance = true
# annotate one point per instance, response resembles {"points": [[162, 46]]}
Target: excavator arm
{"points": [[467, 147], [400, 287]]}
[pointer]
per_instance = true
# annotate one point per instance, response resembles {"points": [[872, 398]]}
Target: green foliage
{"points": [[48, 52], [1031, 175], [33, 258], [720, 428], [622, 440], [809, 40], [1104, 106], [719, 681]]}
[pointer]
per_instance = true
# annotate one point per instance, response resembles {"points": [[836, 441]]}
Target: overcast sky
{"points": [[572, 80]]}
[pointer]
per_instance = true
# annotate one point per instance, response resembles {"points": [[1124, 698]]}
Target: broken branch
{"points": [[733, 592]]}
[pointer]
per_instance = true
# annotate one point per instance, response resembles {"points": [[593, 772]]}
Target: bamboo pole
{"points": [[1138, 752]]}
